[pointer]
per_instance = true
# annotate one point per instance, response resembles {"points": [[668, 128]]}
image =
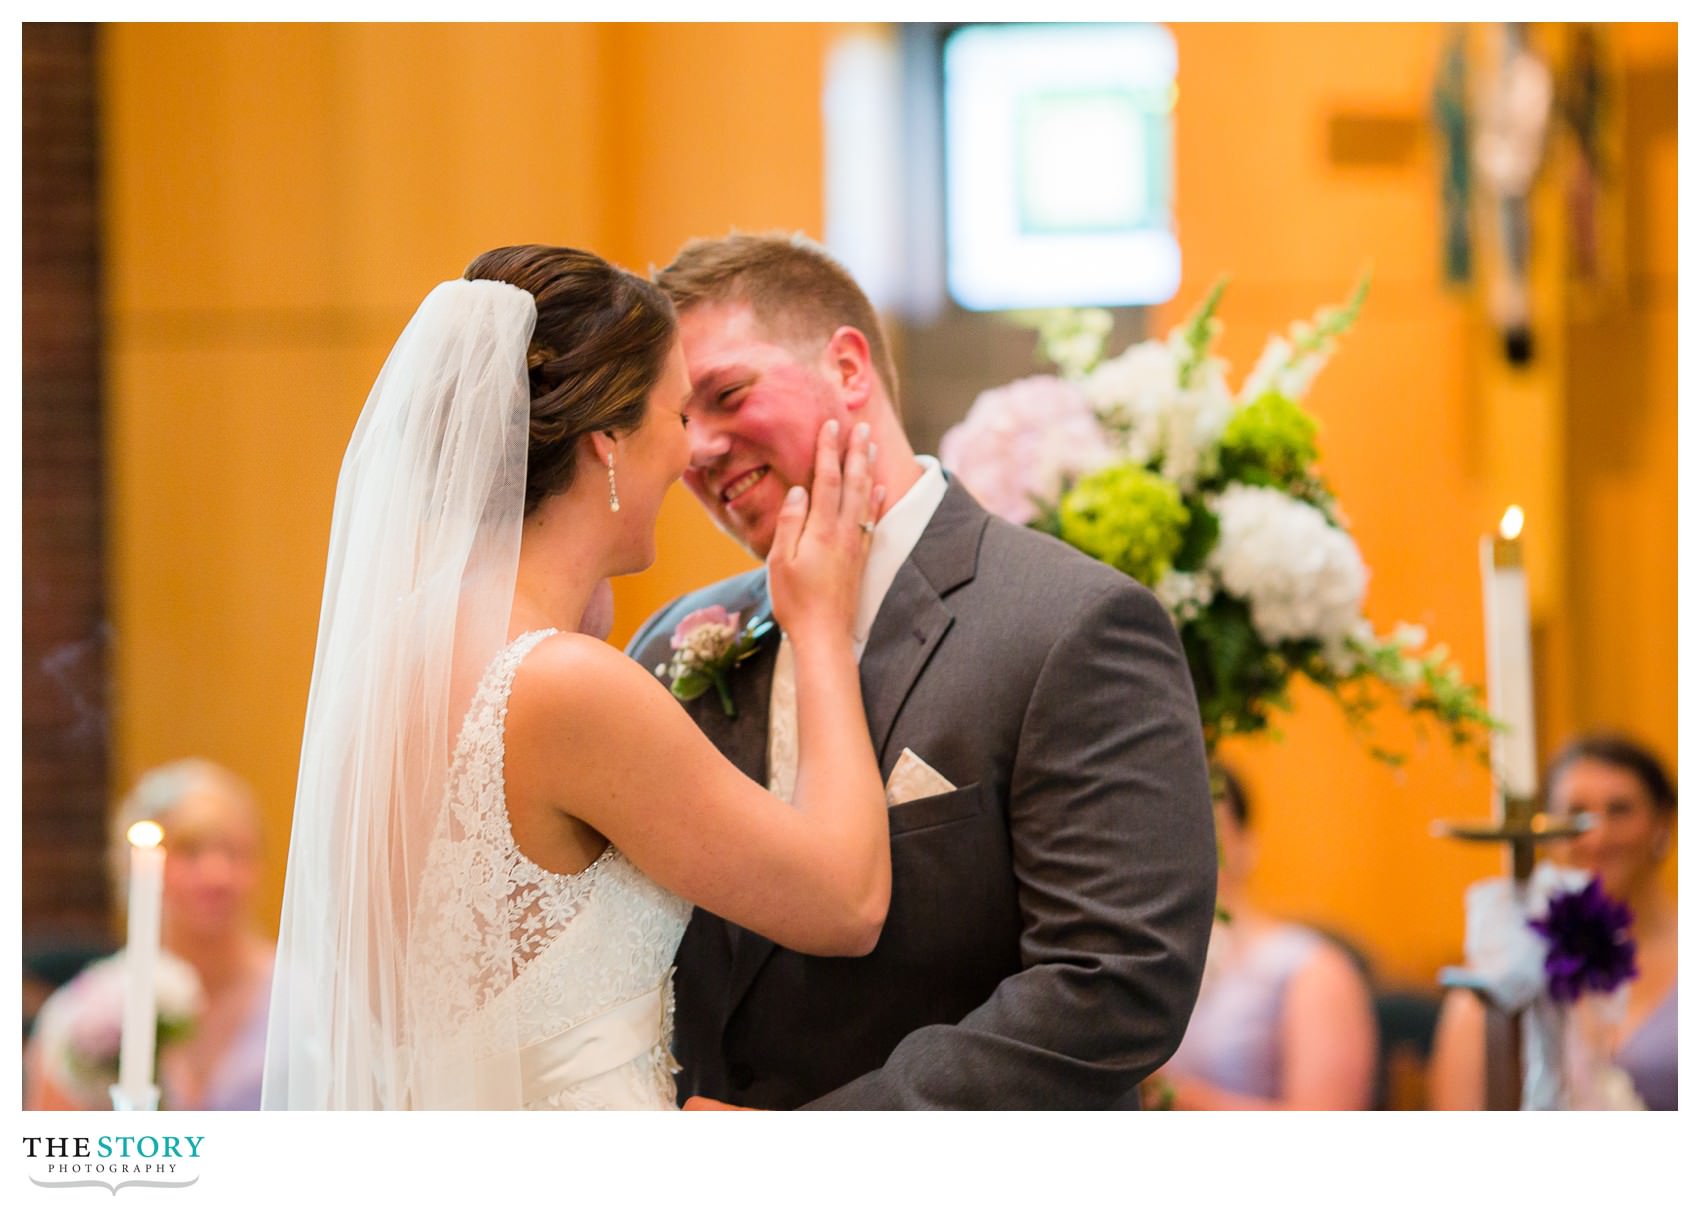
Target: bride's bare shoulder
{"points": [[569, 671]]}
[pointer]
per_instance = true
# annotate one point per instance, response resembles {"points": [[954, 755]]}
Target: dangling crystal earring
{"points": [[613, 492]]}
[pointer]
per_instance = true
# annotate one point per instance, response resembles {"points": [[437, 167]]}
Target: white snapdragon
{"points": [[1281, 368], [1302, 577]]}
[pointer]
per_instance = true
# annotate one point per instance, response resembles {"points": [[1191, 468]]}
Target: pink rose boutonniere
{"points": [[707, 645]]}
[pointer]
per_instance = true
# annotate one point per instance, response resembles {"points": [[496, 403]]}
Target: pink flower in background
{"points": [[81, 1026], [1023, 441]]}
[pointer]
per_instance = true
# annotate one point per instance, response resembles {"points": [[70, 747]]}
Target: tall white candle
{"points": [[1511, 692], [141, 956]]}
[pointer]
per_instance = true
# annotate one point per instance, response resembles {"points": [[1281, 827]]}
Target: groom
{"points": [[1052, 843]]}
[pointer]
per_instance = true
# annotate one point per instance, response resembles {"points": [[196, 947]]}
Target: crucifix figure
{"points": [[1508, 153]]}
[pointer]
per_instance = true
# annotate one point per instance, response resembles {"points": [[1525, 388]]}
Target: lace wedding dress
{"points": [[573, 1005]]}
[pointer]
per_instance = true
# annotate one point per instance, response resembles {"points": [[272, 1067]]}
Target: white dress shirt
{"points": [[895, 536]]}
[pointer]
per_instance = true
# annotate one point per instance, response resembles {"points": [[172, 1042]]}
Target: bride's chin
{"points": [[634, 560]]}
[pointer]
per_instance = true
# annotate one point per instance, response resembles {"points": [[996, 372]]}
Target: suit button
{"points": [[742, 1075]]}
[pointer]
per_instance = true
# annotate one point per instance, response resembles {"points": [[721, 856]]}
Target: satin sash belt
{"points": [[596, 1046]]}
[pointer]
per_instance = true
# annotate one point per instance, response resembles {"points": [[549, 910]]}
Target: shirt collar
{"points": [[895, 536]]}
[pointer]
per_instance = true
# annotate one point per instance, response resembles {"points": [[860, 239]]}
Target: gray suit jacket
{"points": [[1049, 916]]}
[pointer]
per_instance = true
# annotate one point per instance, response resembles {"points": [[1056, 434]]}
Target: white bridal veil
{"points": [[384, 957]]}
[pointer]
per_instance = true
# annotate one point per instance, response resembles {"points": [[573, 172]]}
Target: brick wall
{"points": [[65, 721]]}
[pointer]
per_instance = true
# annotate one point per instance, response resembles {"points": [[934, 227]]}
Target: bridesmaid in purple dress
{"points": [[1284, 1019], [1631, 800], [212, 869]]}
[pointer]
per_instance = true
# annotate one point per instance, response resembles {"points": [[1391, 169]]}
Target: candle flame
{"points": [[1511, 525], [146, 834]]}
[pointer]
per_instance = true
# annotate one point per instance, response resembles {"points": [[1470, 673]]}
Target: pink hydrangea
{"points": [[1022, 441]]}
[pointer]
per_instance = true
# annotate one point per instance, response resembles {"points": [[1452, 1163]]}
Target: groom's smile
{"points": [[742, 484], [756, 407]]}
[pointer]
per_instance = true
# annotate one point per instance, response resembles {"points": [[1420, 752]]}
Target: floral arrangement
{"points": [[1587, 959], [1589, 948], [707, 645], [1149, 462], [81, 1025]]}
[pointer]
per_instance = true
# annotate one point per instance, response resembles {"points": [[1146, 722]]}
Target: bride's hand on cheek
{"points": [[820, 546]]}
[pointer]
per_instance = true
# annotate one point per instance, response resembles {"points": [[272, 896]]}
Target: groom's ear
{"points": [[850, 367]]}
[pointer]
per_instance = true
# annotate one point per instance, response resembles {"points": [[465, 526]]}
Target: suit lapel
{"points": [[911, 621], [743, 740], [913, 618]]}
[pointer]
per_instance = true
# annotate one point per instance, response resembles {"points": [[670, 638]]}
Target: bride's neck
{"points": [[560, 564]]}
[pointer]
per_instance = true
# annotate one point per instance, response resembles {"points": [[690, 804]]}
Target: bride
{"points": [[501, 823]]}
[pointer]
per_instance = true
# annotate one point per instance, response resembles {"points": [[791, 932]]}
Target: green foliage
{"points": [[1202, 530], [1238, 678], [1426, 684], [1198, 332]]}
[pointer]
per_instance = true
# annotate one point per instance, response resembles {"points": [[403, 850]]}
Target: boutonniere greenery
{"points": [[708, 645]]}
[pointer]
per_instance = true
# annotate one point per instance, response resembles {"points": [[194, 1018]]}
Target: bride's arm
{"points": [[620, 754]]}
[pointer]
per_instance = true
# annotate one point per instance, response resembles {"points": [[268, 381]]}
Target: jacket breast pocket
{"points": [[932, 810]]}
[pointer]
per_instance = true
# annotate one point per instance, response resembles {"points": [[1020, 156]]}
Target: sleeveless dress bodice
{"points": [[1234, 1038], [1649, 1056], [578, 1012]]}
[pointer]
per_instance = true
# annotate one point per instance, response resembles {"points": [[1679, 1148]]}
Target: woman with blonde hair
{"points": [[215, 963]]}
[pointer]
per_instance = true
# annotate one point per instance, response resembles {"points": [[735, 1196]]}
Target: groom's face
{"points": [[757, 405]]}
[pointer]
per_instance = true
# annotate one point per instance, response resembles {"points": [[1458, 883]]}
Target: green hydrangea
{"points": [[1126, 516], [1271, 441]]}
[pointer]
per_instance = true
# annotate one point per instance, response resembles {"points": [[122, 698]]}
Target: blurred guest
{"points": [[1630, 800], [1284, 1019], [215, 970]]}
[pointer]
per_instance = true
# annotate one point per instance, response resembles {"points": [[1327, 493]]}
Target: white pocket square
{"points": [[913, 779]]}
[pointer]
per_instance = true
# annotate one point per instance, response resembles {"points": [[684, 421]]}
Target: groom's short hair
{"points": [[797, 291]]}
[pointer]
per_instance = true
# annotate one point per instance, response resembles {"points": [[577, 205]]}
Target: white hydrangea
{"points": [[1175, 429], [1132, 389], [1303, 579]]}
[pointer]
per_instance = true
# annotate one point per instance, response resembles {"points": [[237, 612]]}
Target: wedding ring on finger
{"points": [[867, 527]]}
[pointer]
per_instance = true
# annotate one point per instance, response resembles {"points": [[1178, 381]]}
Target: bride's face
{"points": [[651, 458]]}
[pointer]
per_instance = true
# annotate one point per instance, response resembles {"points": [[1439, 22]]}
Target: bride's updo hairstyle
{"points": [[601, 340]]}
